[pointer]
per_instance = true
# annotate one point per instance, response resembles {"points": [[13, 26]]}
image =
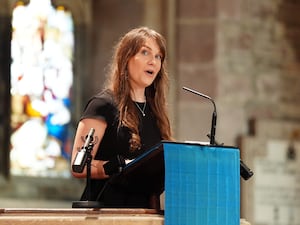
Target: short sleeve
{"points": [[100, 106]]}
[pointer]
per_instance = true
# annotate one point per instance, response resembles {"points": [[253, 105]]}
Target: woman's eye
{"points": [[145, 52], [158, 57]]}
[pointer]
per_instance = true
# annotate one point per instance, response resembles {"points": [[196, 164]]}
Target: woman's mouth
{"points": [[149, 72]]}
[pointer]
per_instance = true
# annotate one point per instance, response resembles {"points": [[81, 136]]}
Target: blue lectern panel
{"points": [[202, 184]]}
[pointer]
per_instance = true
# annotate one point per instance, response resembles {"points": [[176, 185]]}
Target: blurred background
{"points": [[244, 54]]}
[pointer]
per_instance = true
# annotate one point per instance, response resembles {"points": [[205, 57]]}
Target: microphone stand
{"points": [[88, 203]]}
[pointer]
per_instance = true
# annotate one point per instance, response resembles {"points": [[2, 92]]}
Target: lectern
{"points": [[202, 182]]}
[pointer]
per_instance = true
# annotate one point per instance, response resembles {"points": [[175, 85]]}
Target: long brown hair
{"points": [[127, 47]]}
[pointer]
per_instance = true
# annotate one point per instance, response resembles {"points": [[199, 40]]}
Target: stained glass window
{"points": [[41, 80]]}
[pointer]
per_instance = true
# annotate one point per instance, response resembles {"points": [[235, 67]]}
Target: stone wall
{"points": [[242, 54], [196, 55], [258, 63]]}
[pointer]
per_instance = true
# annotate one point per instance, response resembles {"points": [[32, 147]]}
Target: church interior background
{"points": [[243, 54]]}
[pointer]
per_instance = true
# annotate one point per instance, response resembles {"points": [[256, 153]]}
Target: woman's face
{"points": [[144, 66]]}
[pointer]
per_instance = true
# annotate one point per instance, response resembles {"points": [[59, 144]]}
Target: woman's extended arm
{"points": [[84, 126]]}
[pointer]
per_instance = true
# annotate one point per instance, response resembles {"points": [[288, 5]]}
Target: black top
{"points": [[116, 141]]}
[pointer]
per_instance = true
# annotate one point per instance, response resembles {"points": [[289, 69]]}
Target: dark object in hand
{"points": [[115, 165]]}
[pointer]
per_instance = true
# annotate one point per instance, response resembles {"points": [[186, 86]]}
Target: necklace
{"points": [[141, 110]]}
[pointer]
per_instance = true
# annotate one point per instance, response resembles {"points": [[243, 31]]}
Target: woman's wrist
{"points": [[98, 165]]}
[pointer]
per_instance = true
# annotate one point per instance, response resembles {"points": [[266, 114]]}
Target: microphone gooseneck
{"points": [[214, 115]]}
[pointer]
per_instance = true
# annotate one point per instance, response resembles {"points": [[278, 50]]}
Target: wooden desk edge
{"points": [[64, 211]]}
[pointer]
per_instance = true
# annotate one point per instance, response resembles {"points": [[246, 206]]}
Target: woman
{"points": [[129, 116]]}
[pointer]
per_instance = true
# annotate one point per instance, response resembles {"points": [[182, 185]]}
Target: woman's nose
{"points": [[152, 59]]}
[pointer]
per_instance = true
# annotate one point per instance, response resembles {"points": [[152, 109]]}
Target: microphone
{"points": [[81, 157], [245, 171], [214, 115]]}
